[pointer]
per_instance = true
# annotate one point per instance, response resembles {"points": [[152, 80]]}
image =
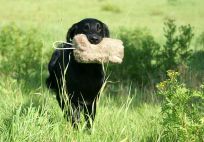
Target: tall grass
{"points": [[37, 117]]}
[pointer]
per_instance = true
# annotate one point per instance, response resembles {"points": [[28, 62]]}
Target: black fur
{"points": [[82, 81]]}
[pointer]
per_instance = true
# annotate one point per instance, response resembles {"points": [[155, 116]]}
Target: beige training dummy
{"points": [[107, 51]]}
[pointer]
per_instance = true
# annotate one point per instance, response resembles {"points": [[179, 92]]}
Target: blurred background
{"points": [[56, 17]]}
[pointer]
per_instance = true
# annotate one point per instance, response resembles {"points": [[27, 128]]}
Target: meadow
{"points": [[127, 110]]}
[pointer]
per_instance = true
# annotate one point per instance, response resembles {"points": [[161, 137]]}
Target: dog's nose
{"points": [[94, 39]]}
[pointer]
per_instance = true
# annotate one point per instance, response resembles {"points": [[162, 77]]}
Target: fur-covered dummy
{"points": [[107, 51]]}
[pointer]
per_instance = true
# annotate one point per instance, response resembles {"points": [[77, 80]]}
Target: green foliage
{"points": [[182, 110], [200, 40], [140, 48], [146, 60], [20, 52], [168, 53], [184, 40], [176, 50]]}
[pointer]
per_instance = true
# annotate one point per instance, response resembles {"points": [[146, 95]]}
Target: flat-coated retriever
{"points": [[82, 81]]}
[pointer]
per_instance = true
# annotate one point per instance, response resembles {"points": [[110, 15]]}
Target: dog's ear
{"points": [[71, 32], [106, 32]]}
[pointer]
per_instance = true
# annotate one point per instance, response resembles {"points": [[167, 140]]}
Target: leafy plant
{"points": [[176, 50], [184, 40], [168, 53], [140, 48], [146, 60], [200, 40], [182, 110], [20, 52]]}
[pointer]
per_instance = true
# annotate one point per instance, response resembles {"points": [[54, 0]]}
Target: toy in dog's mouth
{"points": [[107, 51]]}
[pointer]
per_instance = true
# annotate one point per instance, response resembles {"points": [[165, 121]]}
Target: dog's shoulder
{"points": [[58, 54]]}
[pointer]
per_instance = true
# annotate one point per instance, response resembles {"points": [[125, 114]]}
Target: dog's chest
{"points": [[86, 78]]}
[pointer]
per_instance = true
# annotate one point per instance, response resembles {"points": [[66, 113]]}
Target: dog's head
{"points": [[94, 29]]}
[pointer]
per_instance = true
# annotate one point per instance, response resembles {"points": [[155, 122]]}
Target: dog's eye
{"points": [[86, 27], [98, 27]]}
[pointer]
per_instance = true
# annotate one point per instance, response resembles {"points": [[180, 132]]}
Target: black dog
{"points": [[82, 81]]}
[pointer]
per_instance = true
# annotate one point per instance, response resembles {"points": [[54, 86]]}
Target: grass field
{"points": [[57, 16], [31, 113]]}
